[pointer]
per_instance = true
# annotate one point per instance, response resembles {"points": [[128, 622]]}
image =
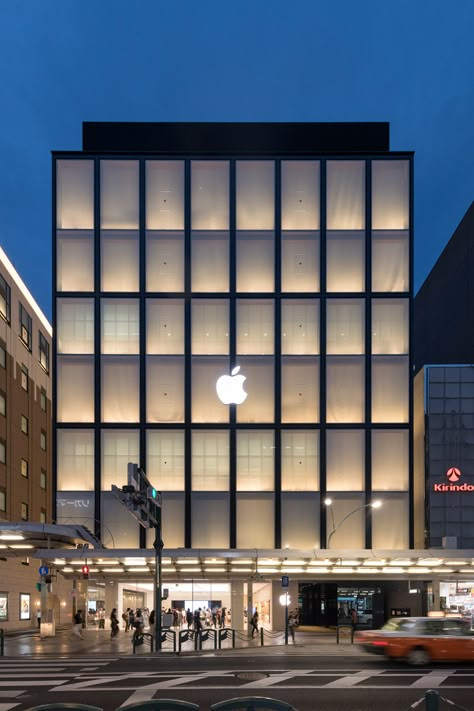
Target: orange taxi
{"points": [[420, 640]]}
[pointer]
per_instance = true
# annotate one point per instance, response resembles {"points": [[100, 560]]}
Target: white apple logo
{"points": [[230, 388]]}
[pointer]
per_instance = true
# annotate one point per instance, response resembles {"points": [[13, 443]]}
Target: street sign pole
{"points": [[157, 586]]}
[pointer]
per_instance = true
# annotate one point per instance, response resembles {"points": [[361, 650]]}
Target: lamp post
{"points": [[328, 502], [285, 601]]}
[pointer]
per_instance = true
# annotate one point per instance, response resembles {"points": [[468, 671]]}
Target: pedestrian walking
{"points": [[77, 624], [354, 619], [189, 619], [254, 623], [114, 623], [151, 622], [292, 622], [38, 618]]}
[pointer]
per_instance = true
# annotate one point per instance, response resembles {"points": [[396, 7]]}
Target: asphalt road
{"points": [[307, 681]]}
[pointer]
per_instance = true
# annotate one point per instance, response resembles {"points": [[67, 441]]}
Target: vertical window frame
{"points": [[26, 327], [5, 300], [43, 347]]}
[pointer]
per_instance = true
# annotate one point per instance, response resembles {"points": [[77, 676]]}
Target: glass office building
{"points": [[184, 251]]}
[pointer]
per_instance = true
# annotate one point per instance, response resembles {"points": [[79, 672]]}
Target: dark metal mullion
{"points": [[368, 352], [143, 326], [232, 358], [97, 356], [322, 358], [277, 358], [54, 351], [411, 474], [187, 358]]}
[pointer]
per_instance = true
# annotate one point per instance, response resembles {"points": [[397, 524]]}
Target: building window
{"points": [[4, 300], [43, 352], [43, 479], [24, 511], [3, 451], [43, 440], [42, 516], [24, 468], [3, 404], [3, 500], [3, 356], [43, 400], [24, 377], [25, 327], [24, 424]]}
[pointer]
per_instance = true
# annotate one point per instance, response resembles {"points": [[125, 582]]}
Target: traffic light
{"points": [[85, 572], [38, 587]]}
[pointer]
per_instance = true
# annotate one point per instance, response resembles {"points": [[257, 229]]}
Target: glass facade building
{"points": [[172, 267]]}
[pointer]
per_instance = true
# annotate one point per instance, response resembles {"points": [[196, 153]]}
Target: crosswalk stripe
{"points": [[433, 678], [7, 707]]}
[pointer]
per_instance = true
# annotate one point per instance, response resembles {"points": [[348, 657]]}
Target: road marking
{"points": [[432, 678], [10, 693], [137, 697], [348, 681], [39, 682], [7, 707]]}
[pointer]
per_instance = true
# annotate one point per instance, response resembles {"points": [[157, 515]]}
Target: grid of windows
{"points": [[325, 365]]}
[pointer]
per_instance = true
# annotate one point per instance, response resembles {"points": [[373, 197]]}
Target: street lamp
{"points": [[328, 502]]}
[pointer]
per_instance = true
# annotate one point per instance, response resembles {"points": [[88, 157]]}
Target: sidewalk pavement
{"points": [[316, 641]]}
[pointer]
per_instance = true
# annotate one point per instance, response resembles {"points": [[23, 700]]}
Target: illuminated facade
{"points": [[183, 251]]}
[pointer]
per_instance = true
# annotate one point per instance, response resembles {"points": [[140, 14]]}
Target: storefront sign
{"points": [[230, 388], [3, 607], [453, 474], [25, 606]]}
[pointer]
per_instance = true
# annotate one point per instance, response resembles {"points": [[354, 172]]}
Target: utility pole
{"points": [[143, 501]]}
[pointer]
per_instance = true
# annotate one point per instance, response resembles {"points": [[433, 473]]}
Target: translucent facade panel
{"points": [[345, 261], [117, 524], [390, 385], [76, 507], [75, 194], [75, 460], [345, 195], [210, 195], [210, 460], [300, 390], [75, 325], [119, 261], [164, 389], [255, 261], [120, 388], [390, 528], [390, 194], [345, 379], [255, 326], [299, 460], [210, 327], [210, 261], [164, 261], [260, 385], [345, 460], [345, 326], [165, 459], [390, 326], [390, 460], [165, 326], [255, 187], [299, 261], [300, 521], [75, 384], [351, 534], [209, 520], [300, 326], [206, 406], [172, 520], [119, 194], [119, 447], [75, 261], [164, 195], [255, 460], [120, 327], [255, 521], [390, 261], [299, 195]]}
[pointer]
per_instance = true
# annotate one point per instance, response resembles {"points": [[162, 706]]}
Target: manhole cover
{"points": [[251, 676]]}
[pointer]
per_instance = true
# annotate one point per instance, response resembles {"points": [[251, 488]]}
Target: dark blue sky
{"points": [[409, 62]]}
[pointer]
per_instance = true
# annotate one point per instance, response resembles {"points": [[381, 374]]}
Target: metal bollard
{"points": [[431, 700], [261, 636]]}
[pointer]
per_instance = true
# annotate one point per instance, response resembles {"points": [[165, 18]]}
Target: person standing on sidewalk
{"points": [[114, 623], [292, 622], [254, 623], [77, 624]]}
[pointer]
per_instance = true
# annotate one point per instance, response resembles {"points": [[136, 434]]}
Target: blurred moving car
{"points": [[420, 640]]}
